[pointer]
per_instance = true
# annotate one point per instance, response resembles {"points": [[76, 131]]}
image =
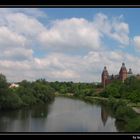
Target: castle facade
{"points": [[123, 74]]}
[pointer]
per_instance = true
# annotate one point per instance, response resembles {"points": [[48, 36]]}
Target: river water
{"points": [[62, 115]]}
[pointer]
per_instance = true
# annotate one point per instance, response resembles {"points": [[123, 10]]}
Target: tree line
{"points": [[77, 89], [27, 94], [39, 91]]}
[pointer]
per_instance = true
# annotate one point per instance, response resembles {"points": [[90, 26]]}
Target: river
{"points": [[62, 115]]}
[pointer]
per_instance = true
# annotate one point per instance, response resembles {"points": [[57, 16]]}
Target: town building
{"points": [[13, 85]]}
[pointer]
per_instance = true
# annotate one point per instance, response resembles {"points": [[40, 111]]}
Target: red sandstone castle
{"points": [[123, 74]]}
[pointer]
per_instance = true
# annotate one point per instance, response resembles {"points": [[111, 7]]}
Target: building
{"points": [[13, 85], [105, 77], [123, 74], [129, 73]]}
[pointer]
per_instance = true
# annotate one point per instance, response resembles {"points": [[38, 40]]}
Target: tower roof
{"points": [[105, 68], [123, 68], [105, 72], [130, 71], [123, 64]]}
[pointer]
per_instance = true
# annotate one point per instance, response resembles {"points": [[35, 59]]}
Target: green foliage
{"points": [[124, 113], [113, 89], [43, 91], [25, 84], [3, 85], [130, 89], [119, 94], [104, 94], [134, 96], [26, 94], [78, 89], [3, 82], [133, 125], [11, 101], [39, 91], [7, 99], [115, 104], [127, 120]]}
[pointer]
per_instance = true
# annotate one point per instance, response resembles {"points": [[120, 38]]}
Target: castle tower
{"points": [[123, 73], [105, 77], [130, 73]]}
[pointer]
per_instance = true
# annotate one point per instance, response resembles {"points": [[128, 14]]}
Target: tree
{"points": [[43, 91], [8, 99], [3, 82], [113, 89], [133, 125], [131, 89]]}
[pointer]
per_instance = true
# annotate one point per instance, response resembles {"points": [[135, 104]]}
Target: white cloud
{"points": [[136, 41], [24, 24], [18, 54], [10, 38], [73, 48], [121, 27], [66, 74], [18, 31], [62, 67], [115, 28], [71, 34]]}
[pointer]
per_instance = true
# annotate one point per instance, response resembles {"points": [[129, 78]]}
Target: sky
{"points": [[68, 44]]}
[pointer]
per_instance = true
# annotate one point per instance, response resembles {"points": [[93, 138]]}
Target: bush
{"points": [[113, 89], [10, 101], [133, 125], [43, 92], [104, 94], [124, 113]]}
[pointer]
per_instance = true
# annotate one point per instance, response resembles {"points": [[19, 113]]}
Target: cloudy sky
{"points": [[68, 44]]}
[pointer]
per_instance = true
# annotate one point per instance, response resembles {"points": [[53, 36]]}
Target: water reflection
{"points": [[11, 120], [22, 120], [104, 114], [63, 115], [40, 111], [120, 125]]}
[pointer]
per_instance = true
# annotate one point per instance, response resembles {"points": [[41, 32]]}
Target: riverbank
{"points": [[63, 115], [85, 98], [91, 99]]}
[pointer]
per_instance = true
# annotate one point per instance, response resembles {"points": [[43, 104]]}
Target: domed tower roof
{"points": [[105, 72], [130, 71], [123, 68]]}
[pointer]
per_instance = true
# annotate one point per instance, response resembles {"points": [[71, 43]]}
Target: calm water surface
{"points": [[62, 115]]}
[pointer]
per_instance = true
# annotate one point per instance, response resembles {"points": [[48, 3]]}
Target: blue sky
{"points": [[68, 44], [130, 16]]}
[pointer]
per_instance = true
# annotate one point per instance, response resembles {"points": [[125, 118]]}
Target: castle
{"points": [[123, 74]]}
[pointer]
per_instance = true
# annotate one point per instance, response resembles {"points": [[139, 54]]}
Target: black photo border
{"points": [[74, 4]]}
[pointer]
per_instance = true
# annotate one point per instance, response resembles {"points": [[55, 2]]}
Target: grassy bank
{"points": [[92, 99]]}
